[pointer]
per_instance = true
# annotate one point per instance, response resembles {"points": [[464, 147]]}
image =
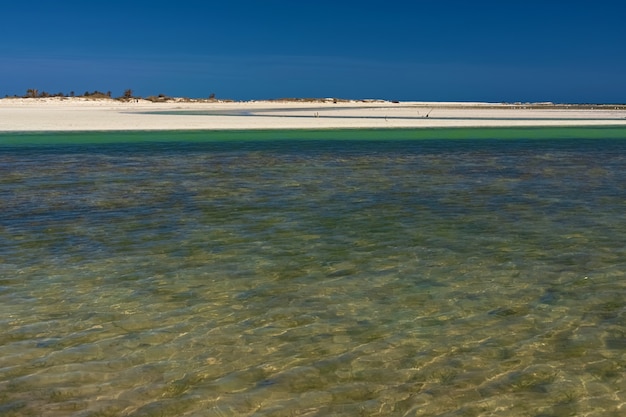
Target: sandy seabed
{"points": [[81, 114]]}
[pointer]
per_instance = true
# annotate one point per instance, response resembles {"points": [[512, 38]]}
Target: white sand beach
{"points": [[82, 114]]}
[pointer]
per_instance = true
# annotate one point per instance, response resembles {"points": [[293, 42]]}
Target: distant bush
{"points": [[34, 93], [97, 94], [127, 96], [161, 98]]}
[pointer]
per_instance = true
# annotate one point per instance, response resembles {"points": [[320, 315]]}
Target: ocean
{"points": [[432, 272]]}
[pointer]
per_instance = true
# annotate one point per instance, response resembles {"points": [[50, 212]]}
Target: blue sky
{"points": [[444, 50]]}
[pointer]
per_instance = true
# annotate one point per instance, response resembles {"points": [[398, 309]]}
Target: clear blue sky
{"points": [[532, 50]]}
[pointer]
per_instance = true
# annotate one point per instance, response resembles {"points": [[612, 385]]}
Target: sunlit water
{"points": [[215, 274]]}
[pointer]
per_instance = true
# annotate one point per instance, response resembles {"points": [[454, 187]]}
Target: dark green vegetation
{"points": [[128, 94]]}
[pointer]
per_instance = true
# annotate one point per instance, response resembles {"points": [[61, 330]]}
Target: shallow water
{"points": [[230, 274]]}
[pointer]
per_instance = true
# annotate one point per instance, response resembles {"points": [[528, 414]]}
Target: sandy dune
{"points": [[66, 114]]}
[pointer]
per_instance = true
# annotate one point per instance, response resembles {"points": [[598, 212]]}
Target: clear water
{"points": [[345, 273]]}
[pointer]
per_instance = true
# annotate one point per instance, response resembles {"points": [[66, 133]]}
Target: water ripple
{"points": [[344, 278]]}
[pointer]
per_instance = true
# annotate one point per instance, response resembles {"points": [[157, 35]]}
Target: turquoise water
{"points": [[316, 273]]}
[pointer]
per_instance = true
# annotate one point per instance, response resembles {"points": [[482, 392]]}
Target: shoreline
{"points": [[61, 114]]}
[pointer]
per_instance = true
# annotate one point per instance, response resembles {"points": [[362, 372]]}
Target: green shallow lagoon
{"points": [[295, 273], [203, 136]]}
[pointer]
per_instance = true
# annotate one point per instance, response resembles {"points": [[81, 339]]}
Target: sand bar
{"points": [[80, 114]]}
